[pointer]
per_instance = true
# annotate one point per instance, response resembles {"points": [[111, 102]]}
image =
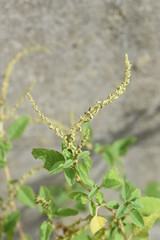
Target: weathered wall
{"points": [[88, 40]]}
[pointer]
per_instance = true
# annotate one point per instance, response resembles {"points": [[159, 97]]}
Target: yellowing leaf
{"points": [[97, 223], [148, 222]]}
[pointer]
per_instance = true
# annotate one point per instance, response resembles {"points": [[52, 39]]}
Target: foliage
{"points": [[130, 218]]}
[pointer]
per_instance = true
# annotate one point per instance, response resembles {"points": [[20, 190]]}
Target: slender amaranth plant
{"points": [[130, 219]]}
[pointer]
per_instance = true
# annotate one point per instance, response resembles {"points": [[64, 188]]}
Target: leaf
{"points": [[67, 154], [111, 152], [45, 231], [129, 192], [93, 192], [16, 129], [60, 194], [150, 205], [111, 179], [110, 155], [137, 218], [148, 222], [10, 223], [98, 148], [135, 205], [97, 223], [99, 235], [115, 234], [3, 164], [80, 196], [82, 236], [92, 208], [69, 174], [99, 197], [113, 204], [68, 163], [150, 213], [87, 159], [49, 157], [57, 167], [122, 145], [153, 189], [4, 147], [83, 172], [26, 196], [121, 211], [135, 194], [83, 168], [65, 212]]}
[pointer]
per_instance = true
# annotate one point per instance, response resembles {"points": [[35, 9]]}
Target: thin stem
{"points": [[130, 236], [122, 229], [82, 183]]}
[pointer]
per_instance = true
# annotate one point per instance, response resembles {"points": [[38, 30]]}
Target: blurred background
{"points": [[87, 42]]}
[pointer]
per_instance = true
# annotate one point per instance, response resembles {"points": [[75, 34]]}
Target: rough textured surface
{"points": [[88, 40]]}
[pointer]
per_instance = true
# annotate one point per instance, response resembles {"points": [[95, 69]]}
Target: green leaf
{"points": [[26, 196], [68, 163], [82, 236], [129, 192], [3, 164], [87, 159], [110, 155], [153, 189], [92, 208], [98, 148], [57, 167], [137, 218], [4, 147], [67, 154], [63, 146], [69, 174], [60, 194], [115, 234], [80, 196], [93, 192], [10, 223], [83, 172], [100, 197], [150, 205], [121, 211], [122, 145], [83, 168], [45, 231], [49, 157], [135, 205], [16, 129], [45, 192], [99, 234], [111, 179], [65, 212], [80, 206], [112, 152], [135, 194], [148, 222], [113, 204], [150, 213]]}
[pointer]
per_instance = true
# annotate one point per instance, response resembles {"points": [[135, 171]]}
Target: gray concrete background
{"points": [[88, 40]]}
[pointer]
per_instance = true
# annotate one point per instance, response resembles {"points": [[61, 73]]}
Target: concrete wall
{"points": [[88, 40]]}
